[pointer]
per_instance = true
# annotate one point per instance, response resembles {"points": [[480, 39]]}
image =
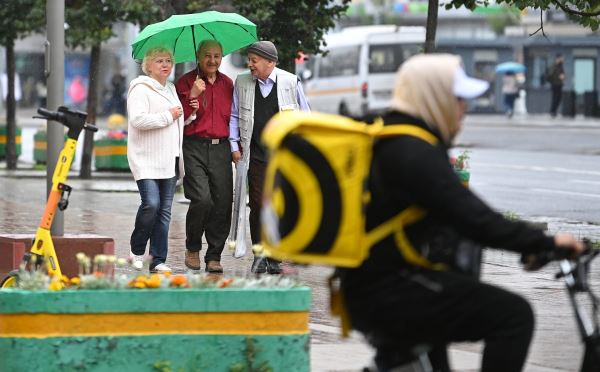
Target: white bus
{"points": [[356, 76]]}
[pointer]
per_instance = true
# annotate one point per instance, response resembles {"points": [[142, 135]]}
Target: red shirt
{"points": [[212, 117]]}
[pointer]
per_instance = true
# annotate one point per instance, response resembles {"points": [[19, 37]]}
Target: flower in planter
{"points": [[461, 162], [99, 273]]}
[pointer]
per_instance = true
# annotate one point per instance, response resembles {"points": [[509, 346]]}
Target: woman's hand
{"points": [[566, 246], [195, 105], [569, 242], [176, 111]]}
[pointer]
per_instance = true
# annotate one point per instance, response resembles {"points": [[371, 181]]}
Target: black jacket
{"points": [[408, 171]]}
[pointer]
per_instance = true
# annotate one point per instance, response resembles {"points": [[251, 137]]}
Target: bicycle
{"points": [[575, 274], [43, 247]]}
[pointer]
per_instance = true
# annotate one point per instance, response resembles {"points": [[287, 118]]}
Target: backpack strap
{"points": [[410, 215]]}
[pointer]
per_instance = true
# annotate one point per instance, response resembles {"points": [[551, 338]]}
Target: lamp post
{"points": [[55, 74]]}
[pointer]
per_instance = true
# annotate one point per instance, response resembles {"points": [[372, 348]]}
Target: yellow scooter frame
{"points": [[43, 246]]}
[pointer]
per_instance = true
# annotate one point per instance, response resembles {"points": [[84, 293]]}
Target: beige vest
{"points": [[287, 98]]}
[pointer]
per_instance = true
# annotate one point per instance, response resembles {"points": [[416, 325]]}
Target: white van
{"points": [[356, 76]]}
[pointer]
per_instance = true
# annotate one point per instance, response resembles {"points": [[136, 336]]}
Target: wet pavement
{"points": [[107, 205]]}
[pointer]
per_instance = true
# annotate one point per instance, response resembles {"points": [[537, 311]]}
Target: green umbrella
{"points": [[182, 34]]}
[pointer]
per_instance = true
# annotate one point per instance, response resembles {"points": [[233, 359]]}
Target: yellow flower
{"points": [[55, 285], [75, 280], [64, 279], [154, 281]]}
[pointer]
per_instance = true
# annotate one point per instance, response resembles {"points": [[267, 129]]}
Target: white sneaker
{"points": [[137, 262], [161, 268]]}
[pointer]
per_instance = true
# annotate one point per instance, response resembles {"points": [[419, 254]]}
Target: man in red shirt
{"points": [[208, 180]]}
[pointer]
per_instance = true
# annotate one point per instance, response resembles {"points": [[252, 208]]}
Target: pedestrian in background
{"points": [[258, 95], [510, 92], [155, 128], [556, 77], [408, 294], [208, 181]]}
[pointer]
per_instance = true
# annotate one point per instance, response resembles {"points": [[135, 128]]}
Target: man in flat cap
{"points": [[258, 95]]}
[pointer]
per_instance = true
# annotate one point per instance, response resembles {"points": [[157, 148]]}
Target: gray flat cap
{"points": [[265, 49]]}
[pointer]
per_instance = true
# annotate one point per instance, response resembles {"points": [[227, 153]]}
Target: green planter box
{"points": [[40, 145], [155, 330], [464, 176], [4, 140], [111, 154]]}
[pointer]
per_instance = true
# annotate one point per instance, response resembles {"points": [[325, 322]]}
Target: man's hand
{"points": [[236, 156], [198, 88]]}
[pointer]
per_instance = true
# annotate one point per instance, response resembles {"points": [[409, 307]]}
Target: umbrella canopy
{"points": [[182, 34], [510, 67]]}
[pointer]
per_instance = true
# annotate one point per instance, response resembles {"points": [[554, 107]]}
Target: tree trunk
{"points": [[432, 16], [11, 125], [85, 171]]}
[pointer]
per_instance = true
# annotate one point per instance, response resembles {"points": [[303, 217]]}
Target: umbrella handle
{"points": [[195, 51]]}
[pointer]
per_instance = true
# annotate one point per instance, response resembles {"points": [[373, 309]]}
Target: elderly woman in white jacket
{"points": [[154, 155]]}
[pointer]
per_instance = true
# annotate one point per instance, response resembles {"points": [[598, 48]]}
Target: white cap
{"points": [[467, 87]]}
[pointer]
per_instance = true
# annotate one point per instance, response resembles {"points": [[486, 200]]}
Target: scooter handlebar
{"points": [[65, 117]]}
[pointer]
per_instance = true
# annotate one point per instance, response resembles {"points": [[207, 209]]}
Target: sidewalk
{"points": [[25, 119], [106, 205], [535, 120]]}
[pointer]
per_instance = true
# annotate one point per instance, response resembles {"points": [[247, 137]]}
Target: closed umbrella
{"points": [[183, 33]]}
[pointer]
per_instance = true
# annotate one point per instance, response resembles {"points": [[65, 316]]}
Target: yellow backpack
{"points": [[315, 192]]}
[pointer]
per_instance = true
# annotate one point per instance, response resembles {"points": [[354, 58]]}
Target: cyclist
{"points": [[401, 297]]}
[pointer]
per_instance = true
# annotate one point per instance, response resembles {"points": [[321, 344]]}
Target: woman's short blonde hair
{"points": [[153, 52]]}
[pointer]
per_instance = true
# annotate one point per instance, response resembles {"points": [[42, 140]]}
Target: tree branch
{"points": [[568, 10], [541, 26]]}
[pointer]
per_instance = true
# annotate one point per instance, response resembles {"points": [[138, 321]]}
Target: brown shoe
{"points": [[214, 267], [192, 260]]}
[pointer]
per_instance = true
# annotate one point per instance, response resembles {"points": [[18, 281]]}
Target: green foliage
{"points": [[508, 17], [585, 12], [292, 25], [90, 22], [19, 18]]}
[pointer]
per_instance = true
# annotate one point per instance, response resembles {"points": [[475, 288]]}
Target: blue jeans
{"points": [[153, 218]]}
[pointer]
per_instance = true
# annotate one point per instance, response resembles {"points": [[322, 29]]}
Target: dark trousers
{"points": [[256, 180], [556, 97], [509, 102], [208, 184], [153, 218], [399, 312]]}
